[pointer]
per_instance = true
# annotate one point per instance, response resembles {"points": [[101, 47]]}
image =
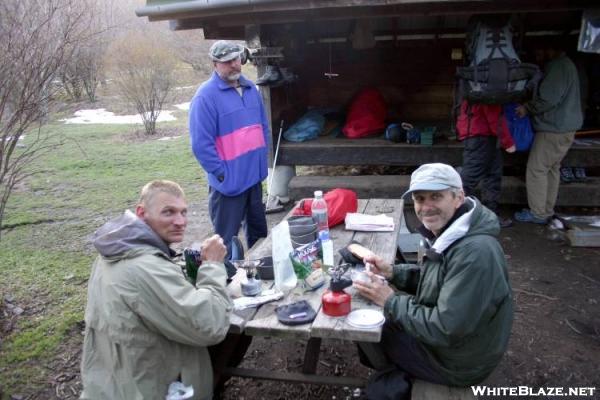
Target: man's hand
{"points": [[376, 290], [213, 249], [521, 111], [378, 266], [511, 149]]}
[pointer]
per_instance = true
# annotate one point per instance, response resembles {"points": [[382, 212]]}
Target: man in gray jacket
{"points": [[556, 115], [146, 325]]}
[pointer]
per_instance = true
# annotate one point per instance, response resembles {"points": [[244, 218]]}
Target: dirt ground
{"points": [[555, 338]]}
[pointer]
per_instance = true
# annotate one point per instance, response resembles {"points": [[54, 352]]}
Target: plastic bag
{"points": [[178, 391]]}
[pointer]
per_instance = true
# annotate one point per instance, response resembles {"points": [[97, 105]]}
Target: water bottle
{"points": [[319, 212], [285, 277]]}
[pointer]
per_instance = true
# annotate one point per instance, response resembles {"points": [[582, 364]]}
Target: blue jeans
{"points": [[228, 213]]}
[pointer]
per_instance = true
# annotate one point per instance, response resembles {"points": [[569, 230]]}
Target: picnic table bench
{"points": [[262, 320]]}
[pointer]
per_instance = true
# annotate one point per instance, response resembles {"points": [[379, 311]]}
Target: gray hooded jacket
{"points": [[146, 325]]}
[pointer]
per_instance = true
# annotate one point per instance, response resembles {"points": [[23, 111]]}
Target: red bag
{"points": [[366, 115], [339, 203]]}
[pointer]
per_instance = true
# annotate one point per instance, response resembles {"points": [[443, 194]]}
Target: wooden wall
{"points": [[416, 78]]}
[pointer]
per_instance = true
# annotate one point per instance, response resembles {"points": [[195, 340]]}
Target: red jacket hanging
{"points": [[483, 120]]}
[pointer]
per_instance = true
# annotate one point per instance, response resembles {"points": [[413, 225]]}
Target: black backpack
{"points": [[495, 74]]}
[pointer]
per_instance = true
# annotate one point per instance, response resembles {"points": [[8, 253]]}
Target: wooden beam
{"points": [[296, 377], [584, 194], [332, 10], [253, 40], [378, 151]]}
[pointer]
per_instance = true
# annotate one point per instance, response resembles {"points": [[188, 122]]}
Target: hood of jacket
{"points": [[477, 220], [127, 236]]}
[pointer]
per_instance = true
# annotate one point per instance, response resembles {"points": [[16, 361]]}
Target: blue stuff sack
{"points": [[520, 128], [306, 128], [395, 133]]}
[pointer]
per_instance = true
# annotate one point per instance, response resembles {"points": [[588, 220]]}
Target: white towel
{"points": [[370, 223]]}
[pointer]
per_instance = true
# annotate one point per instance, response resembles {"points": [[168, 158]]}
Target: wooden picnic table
{"points": [[262, 321]]}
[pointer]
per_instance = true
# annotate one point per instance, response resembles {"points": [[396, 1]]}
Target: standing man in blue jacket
{"points": [[229, 135]]}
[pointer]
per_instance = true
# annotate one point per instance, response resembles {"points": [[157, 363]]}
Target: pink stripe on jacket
{"points": [[240, 141]]}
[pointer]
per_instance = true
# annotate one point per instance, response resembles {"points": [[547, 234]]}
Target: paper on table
{"points": [[370, 223], [241, 303]]}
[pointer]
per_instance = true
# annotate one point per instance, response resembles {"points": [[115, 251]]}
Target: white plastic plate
{"points": [[365, 318]]}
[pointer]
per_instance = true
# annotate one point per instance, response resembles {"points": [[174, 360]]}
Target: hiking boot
{"points": [[580, 175], [566, 175], [526, 215], [271, 76]]}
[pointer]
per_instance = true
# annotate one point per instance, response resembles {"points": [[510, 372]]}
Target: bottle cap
{"points": [[318, 193], [323, 235]]}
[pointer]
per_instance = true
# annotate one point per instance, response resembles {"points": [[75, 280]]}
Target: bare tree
{"points": [[192, 49], [143, 67], [37, 37]]}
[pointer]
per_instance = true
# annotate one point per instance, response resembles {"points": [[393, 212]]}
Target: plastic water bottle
{"points": [[283, 271], [319, 212]]}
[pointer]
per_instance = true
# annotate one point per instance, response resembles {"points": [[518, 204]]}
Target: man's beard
{"points": [[233, 76]]}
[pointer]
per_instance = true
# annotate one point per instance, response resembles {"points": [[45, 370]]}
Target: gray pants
{"points": [[543, 170]]}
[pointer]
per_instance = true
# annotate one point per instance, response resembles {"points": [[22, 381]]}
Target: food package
{"points": [[307, 261]]}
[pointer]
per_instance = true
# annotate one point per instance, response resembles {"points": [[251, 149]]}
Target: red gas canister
{"points": [[336, 302]]}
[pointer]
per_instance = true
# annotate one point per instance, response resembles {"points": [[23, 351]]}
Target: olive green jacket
{"points": [[556, 107], [460, 308], [146, 325]]}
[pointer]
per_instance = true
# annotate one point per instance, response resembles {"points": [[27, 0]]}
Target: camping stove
{"points": [[252, 286]]}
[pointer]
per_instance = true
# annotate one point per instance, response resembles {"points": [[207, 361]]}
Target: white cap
{"points": [[318, 193], [434, 177]]}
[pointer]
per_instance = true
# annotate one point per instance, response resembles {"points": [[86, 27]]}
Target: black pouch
{"points": [[350, 258], [297, 313]]}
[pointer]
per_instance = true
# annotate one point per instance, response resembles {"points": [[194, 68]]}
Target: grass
{"points": [[45, 254]]}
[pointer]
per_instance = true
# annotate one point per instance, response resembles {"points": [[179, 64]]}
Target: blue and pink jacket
{"points": [[229, 134]]}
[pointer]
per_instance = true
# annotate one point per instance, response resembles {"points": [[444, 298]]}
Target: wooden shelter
{"points": [[408, 49]]}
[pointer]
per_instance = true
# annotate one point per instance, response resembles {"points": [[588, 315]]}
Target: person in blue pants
{"points": [[229, 135]]}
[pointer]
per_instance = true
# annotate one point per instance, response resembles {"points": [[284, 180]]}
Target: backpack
{"points": [[339, 203], [495, 74]]}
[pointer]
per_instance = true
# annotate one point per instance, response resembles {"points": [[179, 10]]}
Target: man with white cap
{"points": [[229, 134], [452, 321]]}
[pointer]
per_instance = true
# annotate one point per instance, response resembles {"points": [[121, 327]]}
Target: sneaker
{"points": [[566, 175], [505, 222], [580, 175], [526, 215]]}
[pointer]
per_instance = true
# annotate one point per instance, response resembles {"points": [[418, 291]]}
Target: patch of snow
{"points": [[101, 116], [9, 138], [169, 137], [184, 87], [183, 106]]}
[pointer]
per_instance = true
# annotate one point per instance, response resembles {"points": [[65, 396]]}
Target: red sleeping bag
{"points": [[366, 115], [339, 203]]}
